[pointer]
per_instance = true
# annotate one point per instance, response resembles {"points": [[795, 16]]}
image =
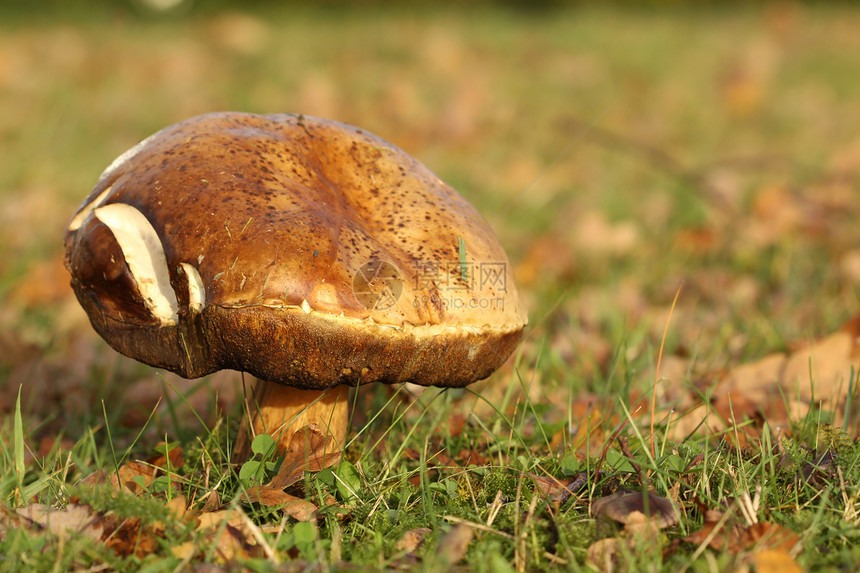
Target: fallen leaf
{"points": [[755, 381], [586, 412], [127, 537], [172, 460], [45, 283], [178, 507], [772, 536], [213, 501], [817, 472], [715, 538], [442, 460], [233, 545], [735, 539], [542, 263], [297, 508], [775, 561], [556, 490], [597, 236], [134, 476], [697, 240], [412, 539], [641, 539], [309, 450], [779, 385], [829, 363], [456, 424], [453, 545], [411, 454], [49, 443], [472, 458], [73, 520], [216, 518], [137, 476], [229, 531]]}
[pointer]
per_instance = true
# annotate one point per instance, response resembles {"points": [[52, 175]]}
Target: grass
{"points": [[617, 153], [384, 489]]}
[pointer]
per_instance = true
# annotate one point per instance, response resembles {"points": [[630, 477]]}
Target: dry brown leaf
{"points": [[213, 501], [45, 282], [442, 460], [216, 518], [721, 537], [772, 536], [825, 366], [472, 458], [185, 550], [555, 489], [770, 388], [412, 539], [48, 443], [588, 428], [297, 508], [229, 530], [755, 381], [456, 424], [735, 539], [137, 476], [129, 537], [594, 234], [238, 33], [178, 508], [697, 240], [453, 545], [172, 460], [232, 544], [697, 420], [309, 450], [542, 263], [74, 519], [134, 476]]}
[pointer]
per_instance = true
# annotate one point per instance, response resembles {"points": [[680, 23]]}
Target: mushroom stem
{"points": [[281, 411]]}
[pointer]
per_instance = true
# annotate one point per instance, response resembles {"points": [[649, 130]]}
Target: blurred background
{"points": [[618, 150]]}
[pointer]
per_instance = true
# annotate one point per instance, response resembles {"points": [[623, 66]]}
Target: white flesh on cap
{"points": [[196, 289], [85, 211], [144, 255]]}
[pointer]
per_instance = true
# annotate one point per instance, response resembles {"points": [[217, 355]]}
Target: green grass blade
{"points": [[19, 440]]}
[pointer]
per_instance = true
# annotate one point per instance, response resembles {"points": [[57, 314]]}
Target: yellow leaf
{"points": [[775, 561]]}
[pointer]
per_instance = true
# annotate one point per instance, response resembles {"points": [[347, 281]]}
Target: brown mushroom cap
{"points": [[304, 251], [620, 506]]}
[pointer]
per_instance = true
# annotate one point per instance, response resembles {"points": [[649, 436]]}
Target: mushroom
{"points": [[306, 252], [621, 506]]}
